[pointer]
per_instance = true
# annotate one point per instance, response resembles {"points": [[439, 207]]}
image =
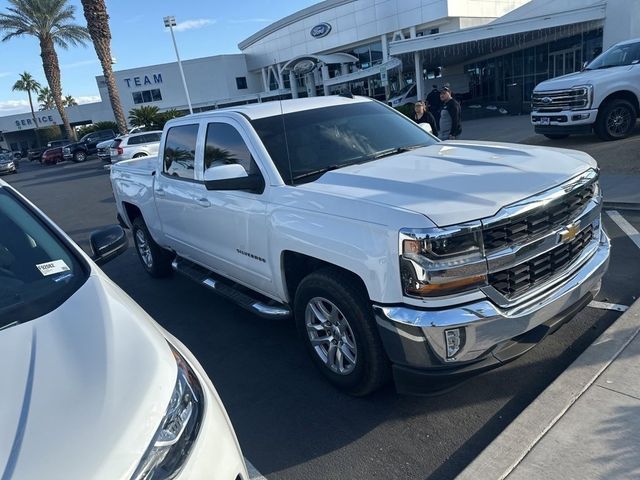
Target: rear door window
{"points": [[180, 151]]}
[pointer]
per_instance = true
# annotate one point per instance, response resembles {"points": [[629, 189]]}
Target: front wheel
{"points": [[154, 259], [616, 120], [336, 322], [79, 157]]}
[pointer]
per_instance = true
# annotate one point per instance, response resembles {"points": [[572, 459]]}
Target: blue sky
{"points": [[139, 38]]}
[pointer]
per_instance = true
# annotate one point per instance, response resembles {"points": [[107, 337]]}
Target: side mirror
{"points": [[232, 177], [426, 127], [584, 65], [108, 243], [224, 172]]}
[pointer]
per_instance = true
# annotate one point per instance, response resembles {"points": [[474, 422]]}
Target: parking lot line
{"points": [[608, 306], [254, 474], [625, 226]]}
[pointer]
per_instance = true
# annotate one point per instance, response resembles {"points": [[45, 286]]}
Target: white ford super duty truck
{"points": [[395, 253], [603, 97]]}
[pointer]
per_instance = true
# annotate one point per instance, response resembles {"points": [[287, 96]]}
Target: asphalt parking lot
{"points": [[291, 424]]}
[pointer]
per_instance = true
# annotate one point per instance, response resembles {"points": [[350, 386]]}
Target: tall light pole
{"points": [[171, 22]]}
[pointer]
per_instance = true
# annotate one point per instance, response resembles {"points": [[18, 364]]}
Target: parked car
{"points": [[135, 145], [104, 149], [36, 153], [88, 145], [604, 97], [8, 164], [93, 387], [408, 94], [393, 251], [52, 156]]}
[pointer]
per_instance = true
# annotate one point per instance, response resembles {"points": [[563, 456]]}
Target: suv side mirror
{"points": [[232, 177], [108, 243]]}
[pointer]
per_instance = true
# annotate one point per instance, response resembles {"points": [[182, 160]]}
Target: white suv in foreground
{"points": [[92, 387], [604, 97], [135, 145]]}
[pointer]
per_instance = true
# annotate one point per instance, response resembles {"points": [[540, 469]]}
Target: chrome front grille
{"points": [[517, 280], [558, 100], [539, 221]]}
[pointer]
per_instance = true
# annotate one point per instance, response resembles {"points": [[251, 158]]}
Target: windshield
{"points": [[37, 271], [617, 56], [326, 138], [5, 158]]}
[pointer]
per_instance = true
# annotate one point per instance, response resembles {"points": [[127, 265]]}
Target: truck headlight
{"points": [[584, 93], [178, 429], [438, 262]]}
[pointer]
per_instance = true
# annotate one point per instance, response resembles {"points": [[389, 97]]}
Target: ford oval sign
{"points": [[320, 30]]}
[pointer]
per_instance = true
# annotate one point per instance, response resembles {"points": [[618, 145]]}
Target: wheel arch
{"points": [[627, 95]]}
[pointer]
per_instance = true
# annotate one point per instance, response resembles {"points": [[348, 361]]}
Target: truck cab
{"points": [[604, 97]]}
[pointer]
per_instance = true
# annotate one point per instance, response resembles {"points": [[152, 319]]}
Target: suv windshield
{"points": [[37, 271], [323, 139], [617, 56]]}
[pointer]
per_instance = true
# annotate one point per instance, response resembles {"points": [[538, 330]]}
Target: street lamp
{"points": [[171, 22]]}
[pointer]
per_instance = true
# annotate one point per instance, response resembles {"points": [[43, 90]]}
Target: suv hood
{"points": [[454, 182], [581, 78], [83, 388]]}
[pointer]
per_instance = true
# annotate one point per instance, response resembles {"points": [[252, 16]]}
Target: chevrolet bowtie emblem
{"points": [[569, 232]]}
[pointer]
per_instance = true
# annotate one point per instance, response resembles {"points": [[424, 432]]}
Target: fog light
{"points": [[455, 339], [582, 116]]}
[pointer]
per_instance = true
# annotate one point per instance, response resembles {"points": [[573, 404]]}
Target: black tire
{"points": [[140, 155], [616, 120], [157, 262], [79, 157], [371, 369], [556, 136]]}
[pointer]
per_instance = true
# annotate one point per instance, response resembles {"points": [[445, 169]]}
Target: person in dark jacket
{"points": [[422, 115], [433, 102], [450, 118]]}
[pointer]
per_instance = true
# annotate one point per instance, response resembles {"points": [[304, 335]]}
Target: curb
{"points": [[503, 455]]}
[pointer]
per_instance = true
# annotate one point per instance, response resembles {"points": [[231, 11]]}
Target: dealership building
{"points": [[490, 52]]}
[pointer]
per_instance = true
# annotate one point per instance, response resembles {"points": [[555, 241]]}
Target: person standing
{"points": [[450, 121], [422, 115], [434, 103]]}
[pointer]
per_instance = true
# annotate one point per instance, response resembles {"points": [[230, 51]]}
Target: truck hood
{"points": [[84, 388], [581, 78], [455, 182]]}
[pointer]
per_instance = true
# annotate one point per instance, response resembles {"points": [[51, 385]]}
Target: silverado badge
{"points": [[569, 232]]}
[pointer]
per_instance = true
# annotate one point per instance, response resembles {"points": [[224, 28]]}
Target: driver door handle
{"points": [[203, 202]]}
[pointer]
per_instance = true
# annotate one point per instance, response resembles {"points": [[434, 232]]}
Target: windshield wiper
{"points": [[320, 171]]}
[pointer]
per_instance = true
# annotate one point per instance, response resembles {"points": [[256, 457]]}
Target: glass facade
{"points": [[490, 79]]}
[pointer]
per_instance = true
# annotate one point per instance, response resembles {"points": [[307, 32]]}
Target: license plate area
{"points": [[545, 120]]}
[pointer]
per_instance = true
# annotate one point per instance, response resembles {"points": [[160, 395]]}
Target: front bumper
{"points": [[564, 122], [5, 169], [415, 339]]}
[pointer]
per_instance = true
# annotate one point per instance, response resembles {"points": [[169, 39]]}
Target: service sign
{"points": [[321, 30]]}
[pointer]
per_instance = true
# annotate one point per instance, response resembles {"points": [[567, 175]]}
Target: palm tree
{"points": [[28, 84], [95, 11], [50, 21], [45, 98], [147, 115], [69, 101]]}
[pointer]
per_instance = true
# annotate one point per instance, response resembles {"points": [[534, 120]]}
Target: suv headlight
{"points": [[178, 429], [437, 262]]}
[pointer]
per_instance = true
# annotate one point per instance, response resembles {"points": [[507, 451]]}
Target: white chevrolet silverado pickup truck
{"points": [[603, 97], [395, 253]]}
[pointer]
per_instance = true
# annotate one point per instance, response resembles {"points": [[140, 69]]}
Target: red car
{"points": [[52, 156]]}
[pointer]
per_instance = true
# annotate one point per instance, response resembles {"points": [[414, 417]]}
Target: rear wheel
{"points": [[79, 157], [616, 120], [336, 322], [556, 136], [154, 259], [140, 155]]}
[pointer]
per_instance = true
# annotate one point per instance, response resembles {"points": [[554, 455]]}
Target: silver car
{"points": [[135, 145], [8, 164]]}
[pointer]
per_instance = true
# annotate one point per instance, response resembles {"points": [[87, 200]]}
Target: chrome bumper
{"points": [[415, 338]]}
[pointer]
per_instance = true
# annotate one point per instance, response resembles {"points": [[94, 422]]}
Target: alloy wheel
{"points": [[143, 249]]}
